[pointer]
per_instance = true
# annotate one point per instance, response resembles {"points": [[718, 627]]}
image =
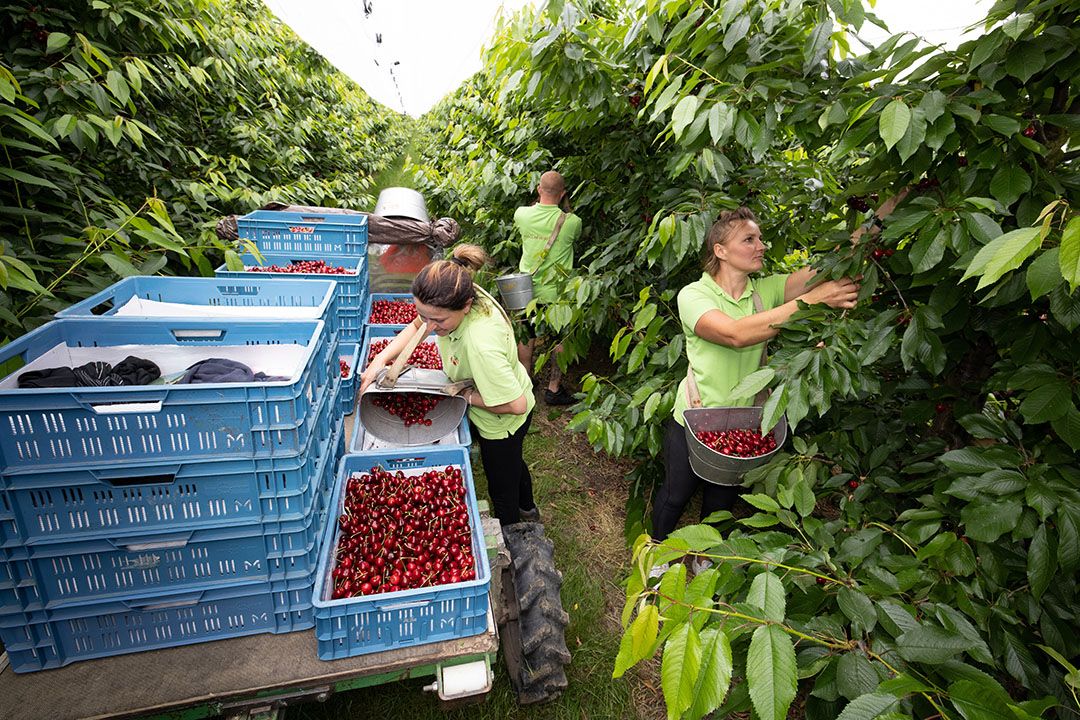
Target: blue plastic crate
{"points": [[61, 506], [352, 287], [350, 353], [373, 297], [36, 577], [53, 638], [314, 233], [102, 426], [356, 626], [213, 298], [381, 332], [351, 322]]}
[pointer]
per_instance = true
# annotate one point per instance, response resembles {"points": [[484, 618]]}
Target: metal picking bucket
{"points": [[516, 290], [401, 202], [445, 418], [716, 467]]}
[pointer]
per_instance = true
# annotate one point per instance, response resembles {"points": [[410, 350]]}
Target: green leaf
{"points": [[1043, 274], [233, 261], [1047, 402], [771, 672], [683, 114], [987, 521], [679, 669], [1068, 427], [1009, 183], [639, 640], [930, 645], [914, 135], [1000, 256], [715, 677], [967, 461], [762, 502], [855, 675], [57, 41], [858, 608], [817, 45], [928, 251], [979, 700], [1002, 125], [1068, 540], [1041, 562], [1070, 253], [867, 707], [767, 592], [1015, 26], [752, 384], [893, 122], [118, 86], [27, 179], [933, 105], [1024, 60], [119, 265], [737, 31]]}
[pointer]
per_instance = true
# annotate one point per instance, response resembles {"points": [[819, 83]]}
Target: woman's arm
{"points": [[518, 406], [389, 354], [718, 327], [798, 283]]}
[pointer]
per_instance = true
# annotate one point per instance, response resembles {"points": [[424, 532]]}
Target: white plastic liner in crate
{"points": [[362, 441], [356, 626], [99, 426], [173, 297]]}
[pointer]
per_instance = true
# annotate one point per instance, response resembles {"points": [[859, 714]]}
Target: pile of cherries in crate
{"points": [[400, 533], [426, 355], [392, 312], [312, 267], [740, 442], [343, 365]]}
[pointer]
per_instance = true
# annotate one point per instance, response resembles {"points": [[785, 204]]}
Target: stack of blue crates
{"points": [[149, 516], [340, 240]]}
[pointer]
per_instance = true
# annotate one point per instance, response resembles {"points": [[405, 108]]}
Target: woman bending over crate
{"points": [[476, 341], [725, 342]]}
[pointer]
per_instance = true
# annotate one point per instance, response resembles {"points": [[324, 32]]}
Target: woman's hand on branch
{"points": [[843, 293]]}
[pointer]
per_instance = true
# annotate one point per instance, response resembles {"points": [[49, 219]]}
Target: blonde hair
{"points": [[449, 283], [720, 232]]}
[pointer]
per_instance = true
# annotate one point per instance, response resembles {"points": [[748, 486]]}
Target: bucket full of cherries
{"points": [[413, 402], [725, 442]]}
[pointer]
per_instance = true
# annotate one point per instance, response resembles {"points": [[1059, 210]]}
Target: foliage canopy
{"points": [[914, 553]]}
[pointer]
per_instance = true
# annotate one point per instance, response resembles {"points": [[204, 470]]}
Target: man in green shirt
{"points": [[549, 266]]}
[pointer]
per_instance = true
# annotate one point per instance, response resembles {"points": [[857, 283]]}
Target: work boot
{"points": [[559, 397]]}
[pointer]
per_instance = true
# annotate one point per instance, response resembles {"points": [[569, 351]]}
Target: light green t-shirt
{"points": [[483, 348], [535, 223], [718, 368]]}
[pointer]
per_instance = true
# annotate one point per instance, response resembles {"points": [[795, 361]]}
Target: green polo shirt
{"points": [[535, 224], [483, 348], [718, 368]]}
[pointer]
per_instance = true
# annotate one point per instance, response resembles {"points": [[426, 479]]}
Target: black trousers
{"points": [[680, 484], [509, 480]]}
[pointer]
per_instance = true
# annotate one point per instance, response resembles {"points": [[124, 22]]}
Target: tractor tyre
{"points": [[542, 620]]}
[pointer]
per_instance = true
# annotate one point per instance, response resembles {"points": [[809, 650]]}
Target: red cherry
{"points": [[853, 484]]}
